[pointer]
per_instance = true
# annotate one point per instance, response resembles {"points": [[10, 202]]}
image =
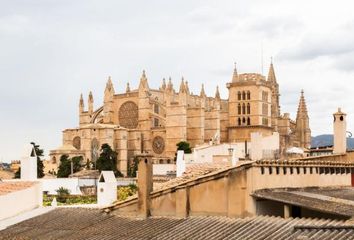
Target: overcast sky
{"points": [[53, 50]]}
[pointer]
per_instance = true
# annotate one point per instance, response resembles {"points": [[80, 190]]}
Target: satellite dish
{"points": [[349, 134]]}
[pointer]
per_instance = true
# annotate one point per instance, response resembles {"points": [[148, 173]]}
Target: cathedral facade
{"points": [[155, 120]]}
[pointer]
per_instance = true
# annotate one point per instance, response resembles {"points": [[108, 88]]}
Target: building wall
{"points": [[24, 200]]}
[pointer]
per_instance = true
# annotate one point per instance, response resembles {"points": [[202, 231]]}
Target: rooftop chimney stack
{"points": [[145, 184], [339, 132]]}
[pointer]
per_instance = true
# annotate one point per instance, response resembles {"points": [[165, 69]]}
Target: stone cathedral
{"points": [[155, 120]]}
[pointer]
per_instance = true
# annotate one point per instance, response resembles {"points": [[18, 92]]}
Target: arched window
{"points": [[243, 95], [239, 95], [54, 160], [248, 95], [239, 121], [248, 121], [239, 108], [243, 120], [243, 108], [248, 108]]}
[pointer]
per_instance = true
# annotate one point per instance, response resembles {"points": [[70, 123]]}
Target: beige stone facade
{"points": [[155, 120]]}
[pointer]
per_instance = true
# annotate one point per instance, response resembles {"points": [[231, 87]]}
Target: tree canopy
{"points": [[107, 160], [64, 169], [183, 145]]}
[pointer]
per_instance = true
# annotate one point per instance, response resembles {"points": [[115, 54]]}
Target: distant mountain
{"points": [[327, 140]]}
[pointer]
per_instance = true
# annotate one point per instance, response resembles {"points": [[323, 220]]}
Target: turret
{"points": [[90, 103]]}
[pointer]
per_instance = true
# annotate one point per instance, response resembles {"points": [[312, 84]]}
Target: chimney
{"points": [[145, 184], [339, 132]]}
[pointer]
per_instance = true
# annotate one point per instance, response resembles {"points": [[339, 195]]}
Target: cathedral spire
{"points": [[271, 73], [128, 88], [302, 108], [109, 85], [187, 87], [90, 103], [81, 104], [109, 91], [163, 86], [170, 85], [143, 81], [202, 92], [217, 93], [235, 74], [182, 87]]}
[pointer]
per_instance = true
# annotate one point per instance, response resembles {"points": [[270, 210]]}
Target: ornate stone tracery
{"points": [[128, 115]]}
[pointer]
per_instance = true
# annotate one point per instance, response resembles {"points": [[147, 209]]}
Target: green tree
{"points": [[40, 166], [64, 169], [108, 160], [183, 145]]}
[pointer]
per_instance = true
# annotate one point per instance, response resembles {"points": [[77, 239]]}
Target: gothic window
{"points": [[128, 115], [95, 149], [243, 95], [248, 108], [156, 109], [239, 108], [248, 95], [156, 122], [239, 95], [243, 108], [77, 143], [243, 120], [248, 121], [239, 121]]}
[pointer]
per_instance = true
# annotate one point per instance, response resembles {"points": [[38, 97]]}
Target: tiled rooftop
{"points": [[65, 223], [8, 187]]}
